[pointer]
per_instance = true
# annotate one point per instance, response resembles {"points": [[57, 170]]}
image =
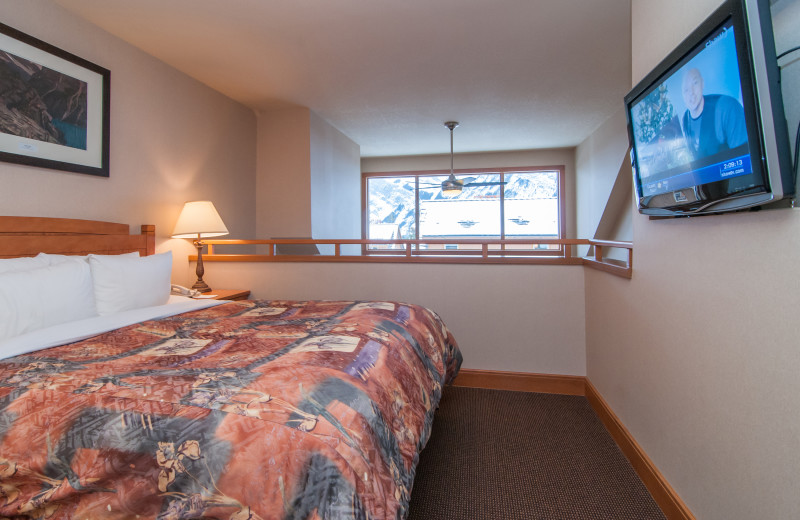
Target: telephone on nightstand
{"points": [[184, 291]]}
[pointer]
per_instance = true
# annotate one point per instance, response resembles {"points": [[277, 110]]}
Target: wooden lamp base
{"points": [[200, 285]]}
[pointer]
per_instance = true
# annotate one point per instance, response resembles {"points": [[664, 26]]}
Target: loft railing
{"points": [[599, 260], [450, 251]]}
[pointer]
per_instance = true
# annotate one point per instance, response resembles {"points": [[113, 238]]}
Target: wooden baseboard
{"points": [[667, 499], [521, 382]]}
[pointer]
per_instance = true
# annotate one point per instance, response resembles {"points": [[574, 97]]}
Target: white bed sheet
{"points": [[82, 329]]}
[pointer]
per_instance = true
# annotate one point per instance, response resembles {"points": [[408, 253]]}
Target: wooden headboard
{"points": [[28, 236]]}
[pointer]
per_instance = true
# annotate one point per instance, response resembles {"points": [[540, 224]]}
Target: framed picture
{"points": [[54, 107]]}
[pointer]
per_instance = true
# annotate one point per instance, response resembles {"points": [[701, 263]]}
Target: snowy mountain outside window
{"points": [[412, 206]]}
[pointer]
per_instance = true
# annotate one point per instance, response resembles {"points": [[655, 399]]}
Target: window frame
{"points": [[365, 176]]}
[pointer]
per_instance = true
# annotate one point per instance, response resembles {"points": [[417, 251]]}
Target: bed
{"points": [[241, 410]]}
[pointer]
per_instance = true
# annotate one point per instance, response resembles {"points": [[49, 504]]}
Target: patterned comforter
{"points": [[248, 410]]}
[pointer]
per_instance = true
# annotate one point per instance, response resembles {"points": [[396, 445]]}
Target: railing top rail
{"points": [[478, 241], [611, 243]]}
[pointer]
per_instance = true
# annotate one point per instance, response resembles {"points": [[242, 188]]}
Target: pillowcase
{"points": [[39, 298], [58, 259], [124, 282], [15, 265]]}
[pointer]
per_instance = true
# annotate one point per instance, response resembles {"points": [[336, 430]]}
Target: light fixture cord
{"points": [[451, 152]]}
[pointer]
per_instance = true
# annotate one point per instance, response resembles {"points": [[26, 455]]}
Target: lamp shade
{"points": [[199, 219]]}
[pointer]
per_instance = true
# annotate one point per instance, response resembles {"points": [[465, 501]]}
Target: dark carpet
{"points": [[495, 454]]}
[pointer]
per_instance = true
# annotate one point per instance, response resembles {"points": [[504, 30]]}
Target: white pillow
{"points": [[39, 298], [59, 259], [123, 282], [26, 263]]}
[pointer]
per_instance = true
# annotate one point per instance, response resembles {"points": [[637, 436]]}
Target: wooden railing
{"points": [[473, 251], [618, 267]]}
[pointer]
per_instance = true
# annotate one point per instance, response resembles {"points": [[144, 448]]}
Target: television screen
{"points": [[695, 125]]}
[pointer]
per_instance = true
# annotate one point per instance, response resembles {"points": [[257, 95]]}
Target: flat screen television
{"points": [[707, 127]]}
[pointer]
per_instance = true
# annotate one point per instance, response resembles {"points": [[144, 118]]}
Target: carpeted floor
{"points": [[504, 455]]}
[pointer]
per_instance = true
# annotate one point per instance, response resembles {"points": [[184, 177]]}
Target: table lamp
{"points": [[198, 220]]}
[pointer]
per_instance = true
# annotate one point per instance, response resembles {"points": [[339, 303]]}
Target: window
{"points": [[500, 203]]}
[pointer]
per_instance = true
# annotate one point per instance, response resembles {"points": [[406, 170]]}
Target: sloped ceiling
{"points": [[517, 74]]}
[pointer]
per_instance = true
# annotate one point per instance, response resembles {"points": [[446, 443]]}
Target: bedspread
{"points": [[252, 409]]}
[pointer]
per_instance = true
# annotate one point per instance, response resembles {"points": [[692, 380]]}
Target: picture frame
{"points": [[54, 107]]}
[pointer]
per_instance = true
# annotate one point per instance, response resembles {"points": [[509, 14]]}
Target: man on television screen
{"points": [[712, 123]]}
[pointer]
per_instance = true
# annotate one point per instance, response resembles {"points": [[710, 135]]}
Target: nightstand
{"points": [[230, 294]]}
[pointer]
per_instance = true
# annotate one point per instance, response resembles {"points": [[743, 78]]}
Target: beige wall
{"points": [[172, 140], [505, 317], [335, 182], [308, 177], [546, 157], [598, 160], [698, 353], [283, 179]]}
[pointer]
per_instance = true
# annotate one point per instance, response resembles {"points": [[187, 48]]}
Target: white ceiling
{"points": [[517, 74]]}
